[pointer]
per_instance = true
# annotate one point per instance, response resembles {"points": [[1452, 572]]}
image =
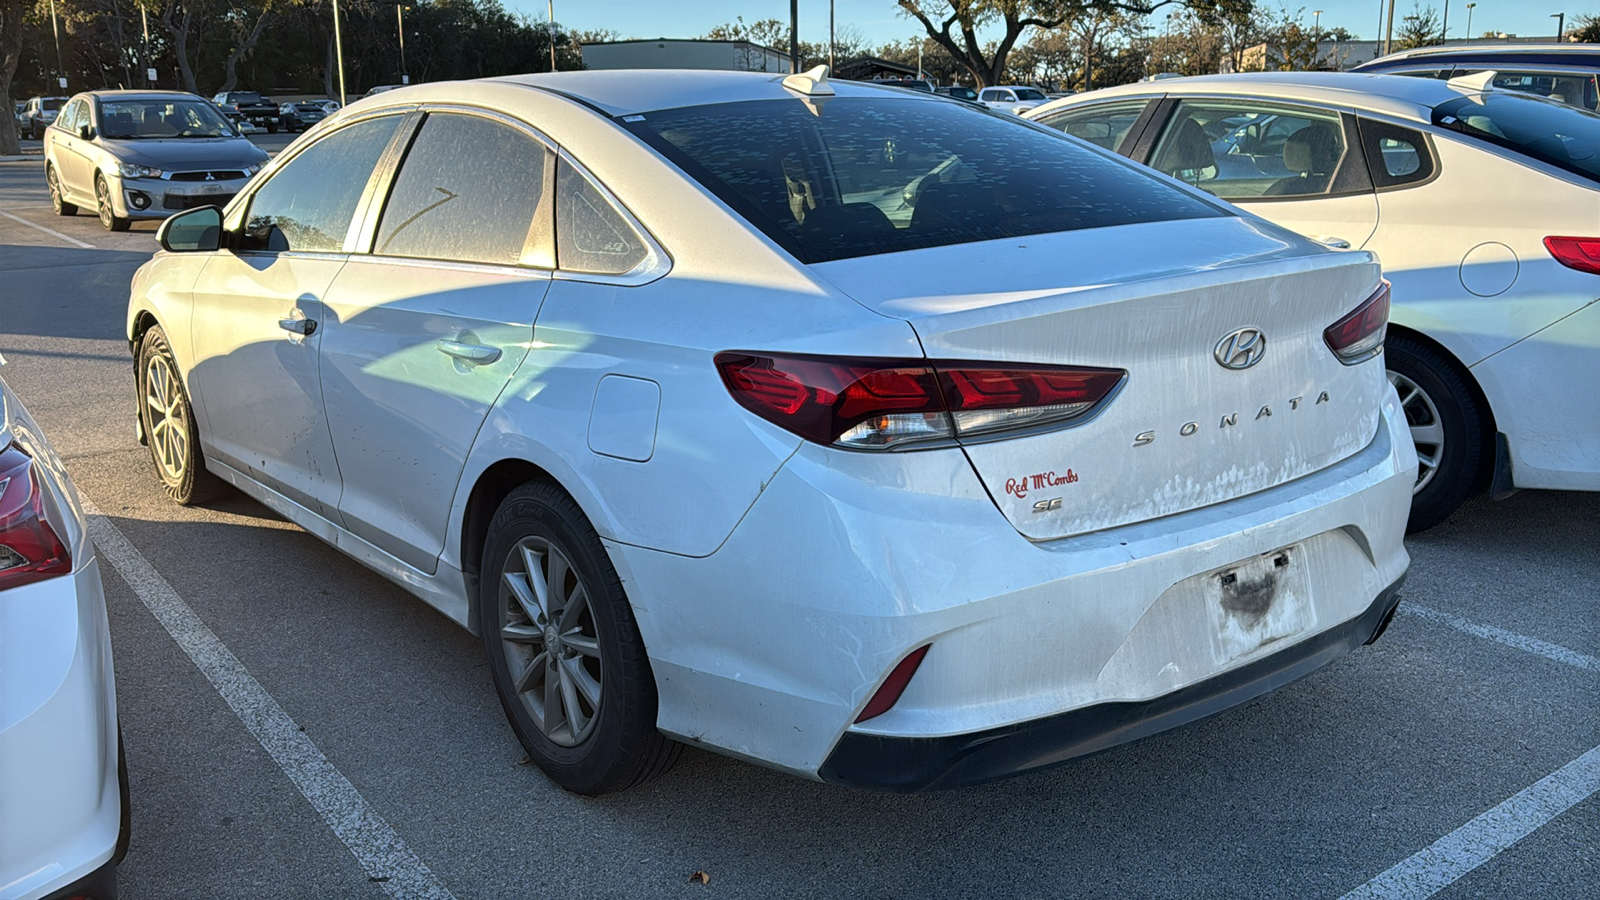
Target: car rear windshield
{"points": [[244, 97], [52, 102], [843, 177], [1546, 130]]}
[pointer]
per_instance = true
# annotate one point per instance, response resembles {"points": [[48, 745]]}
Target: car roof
{"points": [[1473, 51], [141, 95], [620, 92], [1400, 96]]}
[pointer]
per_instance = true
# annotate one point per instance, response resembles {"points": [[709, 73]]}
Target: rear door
{"points": [[1300, 167], [426, 330], [259, 316]]}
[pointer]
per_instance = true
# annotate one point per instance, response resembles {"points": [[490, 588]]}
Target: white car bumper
{"points": [[770, 647], [60, 802]]}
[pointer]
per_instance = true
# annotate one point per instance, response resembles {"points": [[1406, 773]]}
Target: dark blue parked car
{"points": [[1566, 72]]}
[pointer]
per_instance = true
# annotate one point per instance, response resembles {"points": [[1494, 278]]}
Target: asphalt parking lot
{"points": [[296, 726]]}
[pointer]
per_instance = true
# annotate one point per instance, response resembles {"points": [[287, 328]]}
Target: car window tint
{"points": [[68, 117], [591, 236], [1575, 89], [859, 176], [307, 205], [469, 190], [1241, 150], [1105, 125], [1396, 155], [1556, 133]]}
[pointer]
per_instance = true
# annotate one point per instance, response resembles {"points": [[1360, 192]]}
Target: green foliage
{"points": [[1420, 29]]}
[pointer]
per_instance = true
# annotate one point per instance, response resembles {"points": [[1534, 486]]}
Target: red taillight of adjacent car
{"points": [[29, 548], [889, 693], [886, 404], [1578, 253], [1359, 335]]}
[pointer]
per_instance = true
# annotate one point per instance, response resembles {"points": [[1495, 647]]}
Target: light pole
{"points": [[61, 70], [1469, 20], [1560, 17], [1444, 29], [338, 49], [794, 35], [1388, 36], [400, 22], [831, 41], [550, 29], [144, 15]]}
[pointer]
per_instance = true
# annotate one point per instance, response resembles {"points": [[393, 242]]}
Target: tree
{"points": [[1585, 29], [960, 20], [13, 14], [1420, 29]]}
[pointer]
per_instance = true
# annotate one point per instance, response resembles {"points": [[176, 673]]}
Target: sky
{"points": [[880, 20]]}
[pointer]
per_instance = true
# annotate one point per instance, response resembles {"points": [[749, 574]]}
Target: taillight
{"points": [[1578, 253], [29, 548], [882, 404], [1359, 335]]}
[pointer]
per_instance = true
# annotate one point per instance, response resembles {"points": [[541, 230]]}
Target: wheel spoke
{"points": [[533, 562], [556, 582], [576, 604], [524, 681], [582, 643], [582, 681], [522, 634], [1430, 434], [1428, 461], [552, 698], [518, 583], [569, 700]]}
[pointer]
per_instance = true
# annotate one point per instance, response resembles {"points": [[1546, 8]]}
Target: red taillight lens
{"points": [[1359, 336], [893, 686], [878, 404], [29, 548], [1578, 253]]}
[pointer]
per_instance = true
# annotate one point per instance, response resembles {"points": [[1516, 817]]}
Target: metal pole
{"points": [[145, 15], [1560, 17], [550, 31], [61, 70], [1444, 37], [794, 35], [400, 20], [1469, 20], [1388, 37], [338, 49], [830, 36]]}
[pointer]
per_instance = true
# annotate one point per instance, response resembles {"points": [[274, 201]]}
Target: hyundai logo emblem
{"points": [[1241, 349]]}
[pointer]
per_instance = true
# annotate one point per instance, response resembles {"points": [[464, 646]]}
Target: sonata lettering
{"points": [[1189, 429]]}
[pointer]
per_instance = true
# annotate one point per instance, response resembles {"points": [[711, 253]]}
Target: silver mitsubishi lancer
{"points": [[144, 155]]}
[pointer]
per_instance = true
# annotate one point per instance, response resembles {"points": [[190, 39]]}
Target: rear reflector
{"points": [[883, 404], [1578, 253], [1359, 335], [29, 548], [893, 686]]}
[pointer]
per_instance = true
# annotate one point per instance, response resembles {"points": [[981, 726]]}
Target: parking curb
{"points": [[4, 159]]}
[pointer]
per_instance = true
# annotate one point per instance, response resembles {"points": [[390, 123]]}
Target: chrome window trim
{"points": [[411, 262], [656, 263]]}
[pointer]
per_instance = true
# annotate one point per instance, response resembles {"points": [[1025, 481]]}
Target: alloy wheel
{"points": [[552, 647], [103, 200], [1427, 429], [54, 182], [168, 419]]}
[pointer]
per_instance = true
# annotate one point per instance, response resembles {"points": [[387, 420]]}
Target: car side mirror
{"points": [[86, 131], [192, 231]]}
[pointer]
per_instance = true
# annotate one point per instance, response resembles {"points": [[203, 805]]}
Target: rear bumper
{"points": [[906, 765]]}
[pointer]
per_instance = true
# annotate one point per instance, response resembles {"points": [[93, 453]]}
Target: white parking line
{"points": [[50, 231], [376, 846], [1426, 873], [1501, 636]]}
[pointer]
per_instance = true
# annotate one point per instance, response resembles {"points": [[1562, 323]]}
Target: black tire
{"points": [[58, 198], [1438, 400], [125, 826], [272, 128], [108, 215], [617, 746], [175, 447]]}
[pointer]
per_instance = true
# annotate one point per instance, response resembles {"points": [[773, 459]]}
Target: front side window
{"points": [[470, 190], [857, 176], [1546, 130], [307, 205], [1105, 125], [68, 119], [1242, 150]]}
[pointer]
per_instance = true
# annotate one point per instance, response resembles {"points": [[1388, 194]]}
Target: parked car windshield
{"points": [[1546, 130], [162, 118], [846, 177]]}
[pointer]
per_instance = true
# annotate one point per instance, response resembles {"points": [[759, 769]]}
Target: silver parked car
{"points": [[144, 155]]}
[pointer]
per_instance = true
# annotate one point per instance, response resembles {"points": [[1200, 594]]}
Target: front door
{"points": [[259, 318]]}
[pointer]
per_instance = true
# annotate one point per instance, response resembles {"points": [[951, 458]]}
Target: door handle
{"points": [[1337, 243], [477, 354], [298, 326]]}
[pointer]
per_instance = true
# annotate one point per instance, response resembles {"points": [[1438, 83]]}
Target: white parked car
{"points": [[1482, 207], [820, 459], [64, 789], [1012, 99]]}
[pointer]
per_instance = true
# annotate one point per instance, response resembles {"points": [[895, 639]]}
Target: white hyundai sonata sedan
{"points": [[861, 433], [63, 787]]}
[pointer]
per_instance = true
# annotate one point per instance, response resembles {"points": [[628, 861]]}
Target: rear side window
{"points": [[1396, 156], [1105, 125], [849, 177], [470, 190], [1245, 150], [1546, 130], [307, 205], [591, 236]]}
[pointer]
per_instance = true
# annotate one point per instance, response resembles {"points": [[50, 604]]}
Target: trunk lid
{"points": [[1156, 300]]}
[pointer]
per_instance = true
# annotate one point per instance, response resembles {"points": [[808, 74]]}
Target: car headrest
{"points": [[1188, 151], [1313, 150]]}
